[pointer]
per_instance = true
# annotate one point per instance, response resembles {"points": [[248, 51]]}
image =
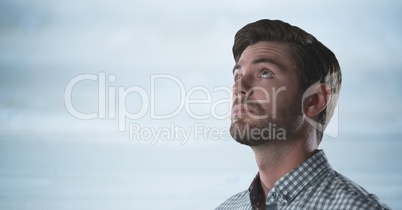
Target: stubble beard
{"points": [[281, 127]]}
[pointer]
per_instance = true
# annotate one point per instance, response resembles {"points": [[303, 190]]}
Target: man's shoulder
{"points": [[331, 191], [240, 200], [340, 191]]}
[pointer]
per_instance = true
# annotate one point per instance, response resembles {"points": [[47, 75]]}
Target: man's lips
{"points": [[241, 109]]}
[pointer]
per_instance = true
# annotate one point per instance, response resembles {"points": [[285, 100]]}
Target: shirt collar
{"points": [[290, 185]]}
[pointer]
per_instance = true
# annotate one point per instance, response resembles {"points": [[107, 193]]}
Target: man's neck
{"points": [[276, 159]]}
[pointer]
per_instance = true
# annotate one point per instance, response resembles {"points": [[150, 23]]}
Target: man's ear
{"points": [[317, 100]]}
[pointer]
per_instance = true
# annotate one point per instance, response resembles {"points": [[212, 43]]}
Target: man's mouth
{"points": [[241, 110]]}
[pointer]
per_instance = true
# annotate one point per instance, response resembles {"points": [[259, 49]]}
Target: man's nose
{"points": [[242, 86]]}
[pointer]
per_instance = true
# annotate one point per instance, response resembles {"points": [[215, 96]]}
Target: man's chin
{"points": [[240, 131], [251, 142], [254, 135]]}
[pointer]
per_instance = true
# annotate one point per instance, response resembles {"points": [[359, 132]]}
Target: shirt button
{"points": [[273, 194]]}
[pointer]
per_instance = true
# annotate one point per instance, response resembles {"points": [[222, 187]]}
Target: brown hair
{"points": [[314, 62]]}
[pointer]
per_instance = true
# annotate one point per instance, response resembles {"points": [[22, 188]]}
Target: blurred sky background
{"points": [[51, 160]]}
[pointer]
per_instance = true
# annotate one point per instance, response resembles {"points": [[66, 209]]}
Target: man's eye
{"points": [[266, 74], [237, 77]]}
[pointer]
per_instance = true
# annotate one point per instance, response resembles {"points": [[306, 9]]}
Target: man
{"points": [[285, 91]]}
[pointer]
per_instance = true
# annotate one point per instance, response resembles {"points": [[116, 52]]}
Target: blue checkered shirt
{"points": [[312, 185]]}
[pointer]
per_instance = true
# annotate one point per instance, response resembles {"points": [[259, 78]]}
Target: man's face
{"points": [[266, 95]]}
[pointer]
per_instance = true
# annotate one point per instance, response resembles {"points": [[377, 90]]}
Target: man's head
{"points": [[276, 64]]}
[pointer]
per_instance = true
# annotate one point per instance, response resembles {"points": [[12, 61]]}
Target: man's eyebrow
{"points": [[269, 60], [237, 66], [263, 60]]}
